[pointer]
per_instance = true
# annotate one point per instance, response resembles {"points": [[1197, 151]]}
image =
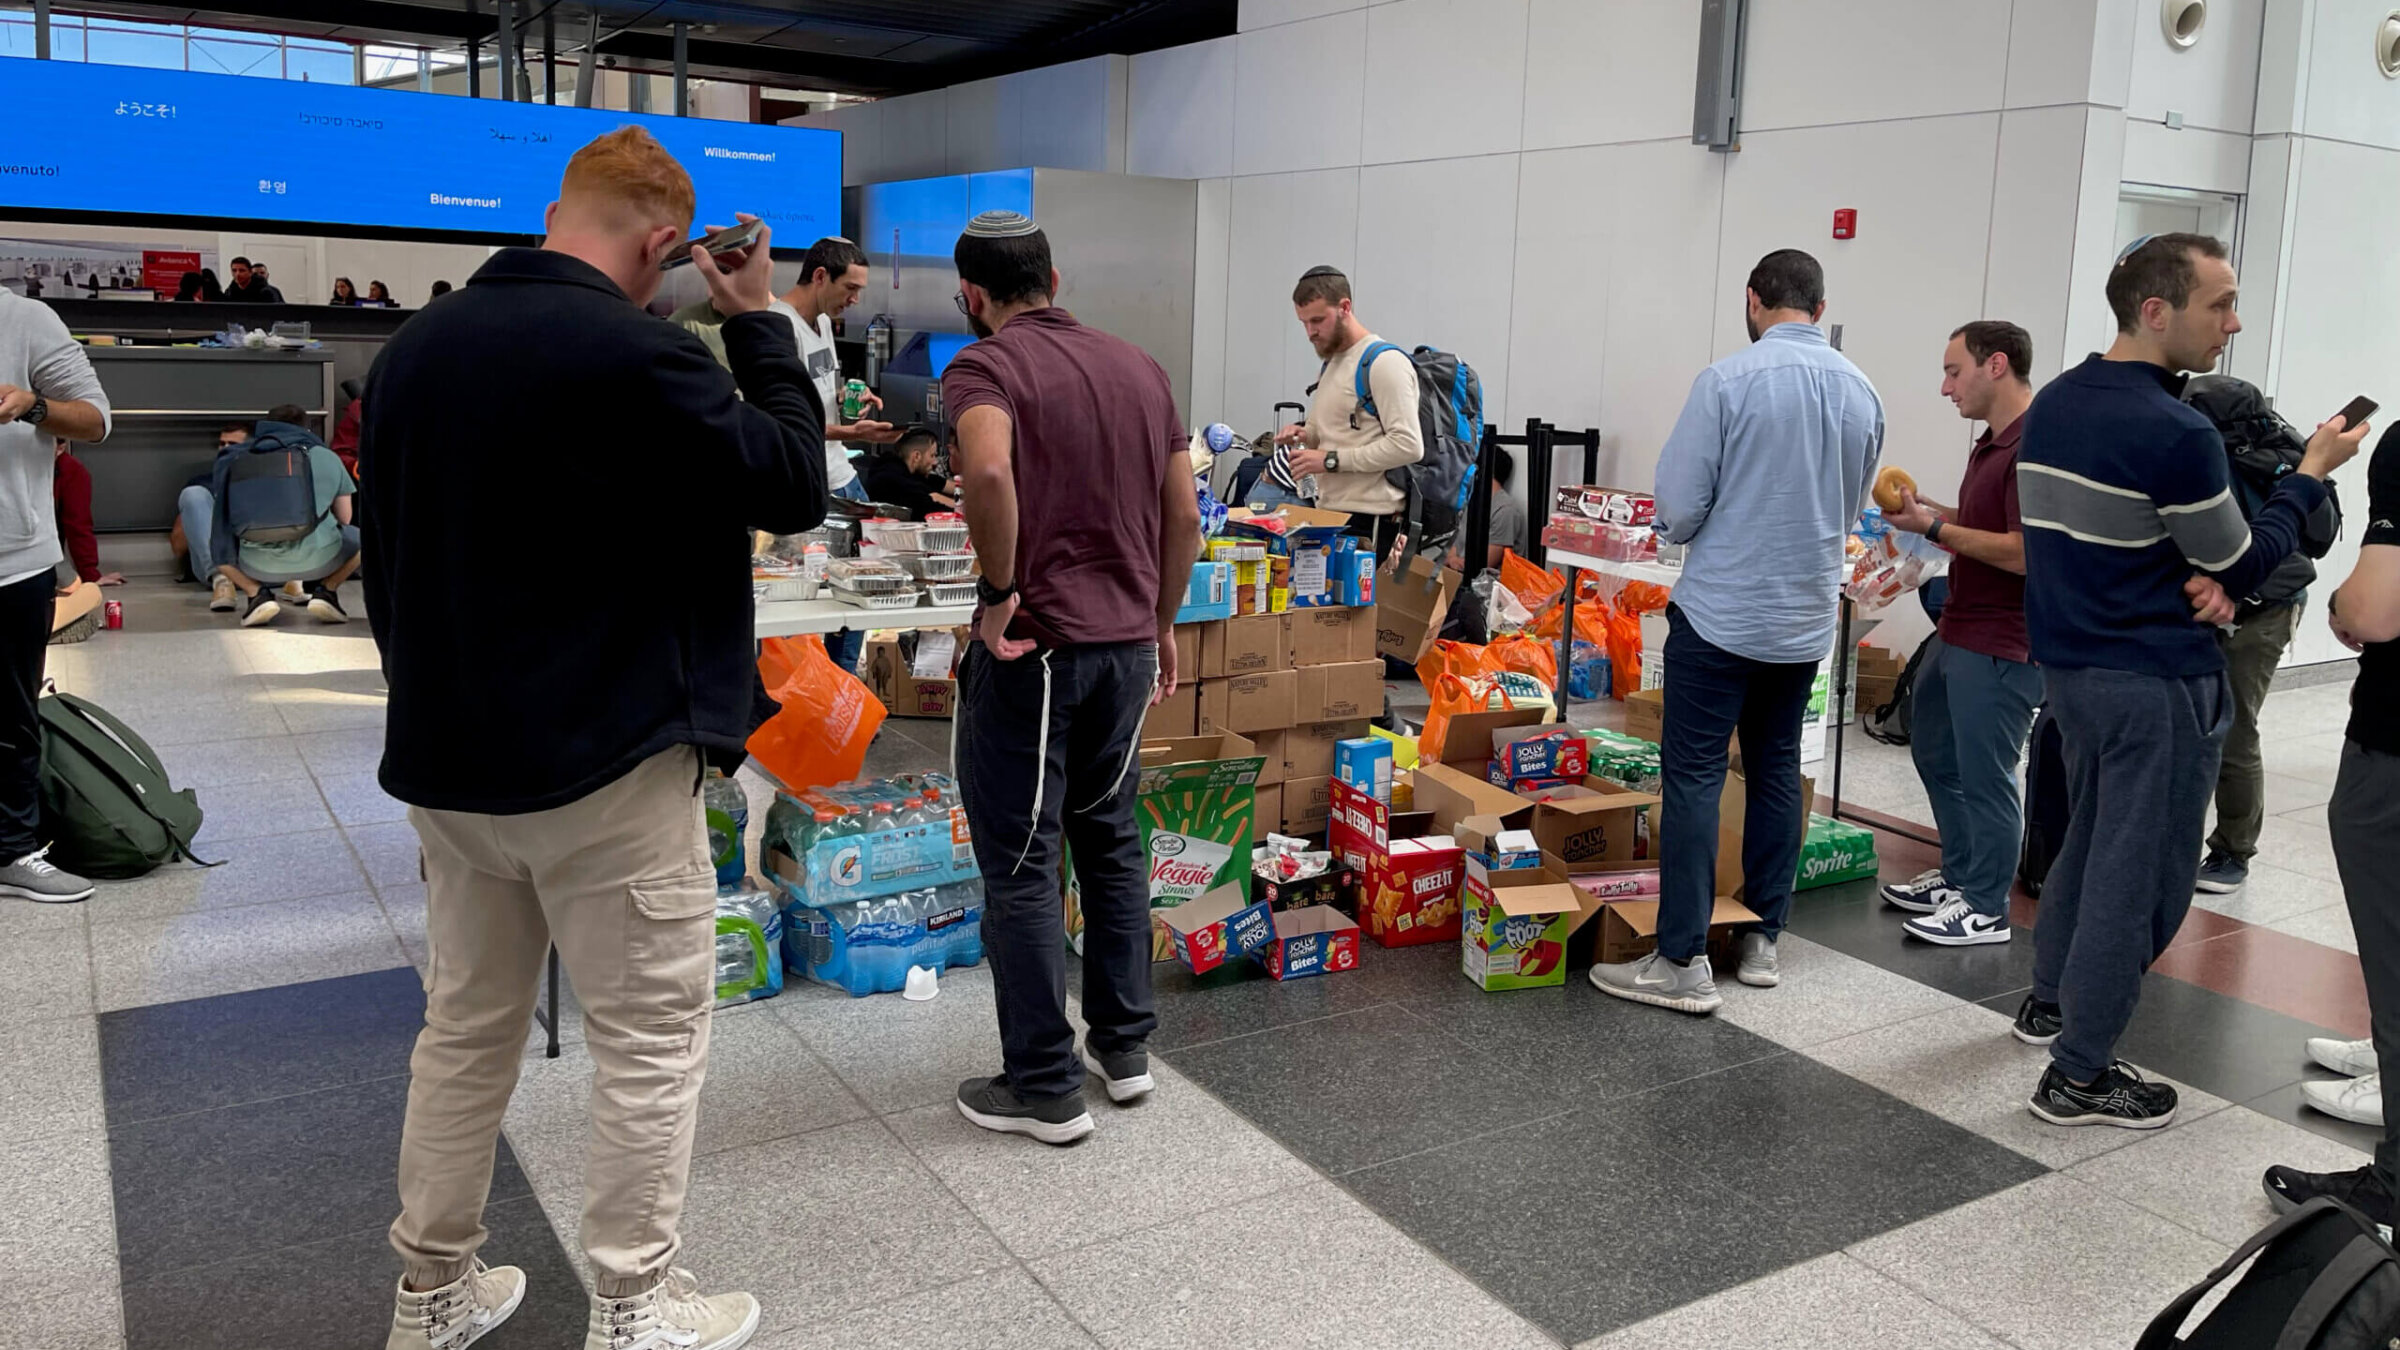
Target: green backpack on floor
{"points": [[107, 807]]}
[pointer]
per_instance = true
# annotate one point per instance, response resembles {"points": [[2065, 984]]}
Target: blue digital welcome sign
{"points": [[86, 140]]}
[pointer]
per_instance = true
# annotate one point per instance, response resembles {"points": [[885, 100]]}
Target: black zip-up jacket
{"points": [[554, 494]]}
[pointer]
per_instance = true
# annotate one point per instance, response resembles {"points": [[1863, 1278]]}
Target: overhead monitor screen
{"points": [[131, 141]]}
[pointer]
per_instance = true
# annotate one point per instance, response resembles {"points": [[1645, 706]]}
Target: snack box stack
{"points": [[1603, 522]]}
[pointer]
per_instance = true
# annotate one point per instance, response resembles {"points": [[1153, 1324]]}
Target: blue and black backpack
{"points": [[1450, 419]]}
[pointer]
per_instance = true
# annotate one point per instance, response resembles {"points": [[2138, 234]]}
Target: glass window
{"points": [[122, 42], [66, 37], [318, 62], [217, 51]]}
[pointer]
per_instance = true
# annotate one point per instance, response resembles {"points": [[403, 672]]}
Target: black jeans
{"points": [[2365, 816], [26, 610], [1046, 750], [1711, 695], [1379, 531]]}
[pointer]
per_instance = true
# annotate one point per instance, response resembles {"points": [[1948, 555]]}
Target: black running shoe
{"points": [[325, 606], [2037, 1022], [262, 609], [1126, 1073], [2288, 1188], [991, 1103], [2119, 1097]]}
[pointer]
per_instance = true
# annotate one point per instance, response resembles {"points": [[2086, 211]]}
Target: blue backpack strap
{"points": [[1366, 396]]}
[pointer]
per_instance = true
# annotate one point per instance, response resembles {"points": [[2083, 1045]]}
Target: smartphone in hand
{"points": [[732, 239], [2356, 411]]}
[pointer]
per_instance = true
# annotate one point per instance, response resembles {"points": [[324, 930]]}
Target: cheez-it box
{"points": [[1408, 888]]}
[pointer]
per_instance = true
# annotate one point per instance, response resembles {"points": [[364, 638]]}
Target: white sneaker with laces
{"points": [[220, 594], [2347, 1058], [33, 878], [459, 1313], [2353, 1099], [1659, 982], [1758, 967], [673, 1315], [1958, 924], [1921, 894]]}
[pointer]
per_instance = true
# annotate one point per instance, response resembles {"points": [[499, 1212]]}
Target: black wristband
{"points": [[991, 594], [1933, 532]]}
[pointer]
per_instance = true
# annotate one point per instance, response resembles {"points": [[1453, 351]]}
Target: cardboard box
{"points": [[1210, 594], [1325, 888], [1514, 925], [1247, 644], [1324, 637], [1270, 748], [1195, 806], [1268, 807], [1308, 749], [902, 694], [1616, 881], [1450, 779], [1597, 501], [1307, 804], [1216, 927], [1352, 689], [1190, 644], [1874, 692], [1629, 931], [1598, 822], [1538, 752], [1646, 715], [1317, 940], [1408, 887], [1177, 717], [1410, 608], [1261, 702]]}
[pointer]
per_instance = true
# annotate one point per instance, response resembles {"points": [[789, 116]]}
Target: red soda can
{"points": [[115, 611]]}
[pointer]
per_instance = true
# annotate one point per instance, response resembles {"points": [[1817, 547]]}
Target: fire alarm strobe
{"points": [[1845, 223]]}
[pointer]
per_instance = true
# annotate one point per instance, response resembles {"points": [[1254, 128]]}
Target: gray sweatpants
{"points": [[2142, 754], [2365, 816]]}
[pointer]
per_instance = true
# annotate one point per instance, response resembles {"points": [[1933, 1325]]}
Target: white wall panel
{"points": [[1566, 237], [1212, 244], [1923, 190], [1267, 13], [976, 137], [916, 137], [1436, 244], [1663, 298], [1180, 111], [1602, 73], [2213, 82], [2213, 161], [2348, 97], [2035, 201], [1283, 224], [1444, 78], [2090, 327], [1300, 89], [2333, 345], [1814, 62], [2051, 52], [1069, 116], [861, 125]]}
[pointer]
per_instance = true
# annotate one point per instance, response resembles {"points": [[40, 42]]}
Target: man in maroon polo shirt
{"points": [[1077, 487], [1975, 694]]}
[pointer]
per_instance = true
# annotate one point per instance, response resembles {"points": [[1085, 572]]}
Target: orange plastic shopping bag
{"points": [[1446, 656], [1525, 656], [1452, 695], [828, 719], [1536, 588]]}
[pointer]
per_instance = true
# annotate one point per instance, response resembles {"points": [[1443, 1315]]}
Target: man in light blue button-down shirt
{"points": [[1761, 479]]}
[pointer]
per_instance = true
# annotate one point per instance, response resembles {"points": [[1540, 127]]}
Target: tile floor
{"points": [[206, 1071]]}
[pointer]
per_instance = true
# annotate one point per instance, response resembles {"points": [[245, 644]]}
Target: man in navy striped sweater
{"points": [[2133, 541]]}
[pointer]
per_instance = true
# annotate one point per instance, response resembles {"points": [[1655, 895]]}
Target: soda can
{"points": [[115, 612], [854, 399]]}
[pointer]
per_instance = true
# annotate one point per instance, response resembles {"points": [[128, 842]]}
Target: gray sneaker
{"points": [[1758, 962], [33, 878], [1661, 983]]}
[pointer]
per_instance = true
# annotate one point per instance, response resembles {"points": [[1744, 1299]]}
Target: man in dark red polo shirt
{"points": [[1078, 493], [1975, 695]]}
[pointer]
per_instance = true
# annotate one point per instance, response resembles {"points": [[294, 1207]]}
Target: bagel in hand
{"points": [[1889, 484]]}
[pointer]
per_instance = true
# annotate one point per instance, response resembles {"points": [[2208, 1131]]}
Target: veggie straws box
{"points": [[1195, 802]]}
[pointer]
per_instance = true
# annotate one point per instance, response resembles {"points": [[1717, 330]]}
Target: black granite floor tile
{"points": [[336, 1294], [1238, 998], [1852, 919], [197, 1189], [2214, 1042], [1586, 1046], [1366, 1087], [172, 1058], [2284, 1104]]}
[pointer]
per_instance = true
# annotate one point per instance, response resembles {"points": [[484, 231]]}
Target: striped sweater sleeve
{"points": [[2197, 507]]}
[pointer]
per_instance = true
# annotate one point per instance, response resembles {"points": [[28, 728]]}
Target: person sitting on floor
{"points": [[71, 489], [902, 475], [286, 520]]}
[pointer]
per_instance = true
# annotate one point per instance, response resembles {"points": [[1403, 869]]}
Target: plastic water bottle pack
{"points": [[867, 946], [750, 956]]}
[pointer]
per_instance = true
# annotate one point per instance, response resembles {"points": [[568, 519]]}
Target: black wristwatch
{"points": [[38, 413], [1333, 461], [1933, 532], [991, 594]]}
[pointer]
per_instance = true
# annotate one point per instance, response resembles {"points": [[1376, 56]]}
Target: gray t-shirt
{"points": [[1508, 521]]}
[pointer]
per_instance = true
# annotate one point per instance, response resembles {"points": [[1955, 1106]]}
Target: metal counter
{"points": [[167, 403]]}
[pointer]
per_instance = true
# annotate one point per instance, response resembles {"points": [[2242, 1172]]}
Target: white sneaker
{"points": [[2353, 1099], [2347, 1058], [1921, 894], [1758, 962], [459, 1313], [1957, 924], [220, 594], [1659, 982], [674, 1315]]}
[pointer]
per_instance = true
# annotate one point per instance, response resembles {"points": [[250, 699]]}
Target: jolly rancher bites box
{"points": [[1408, 888], [1195, 804]]}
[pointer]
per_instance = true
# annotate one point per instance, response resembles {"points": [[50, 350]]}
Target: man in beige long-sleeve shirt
{"points": [[1347, 447]]}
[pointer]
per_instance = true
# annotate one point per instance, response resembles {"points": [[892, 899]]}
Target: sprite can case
{"points": [[1832, 852]]}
